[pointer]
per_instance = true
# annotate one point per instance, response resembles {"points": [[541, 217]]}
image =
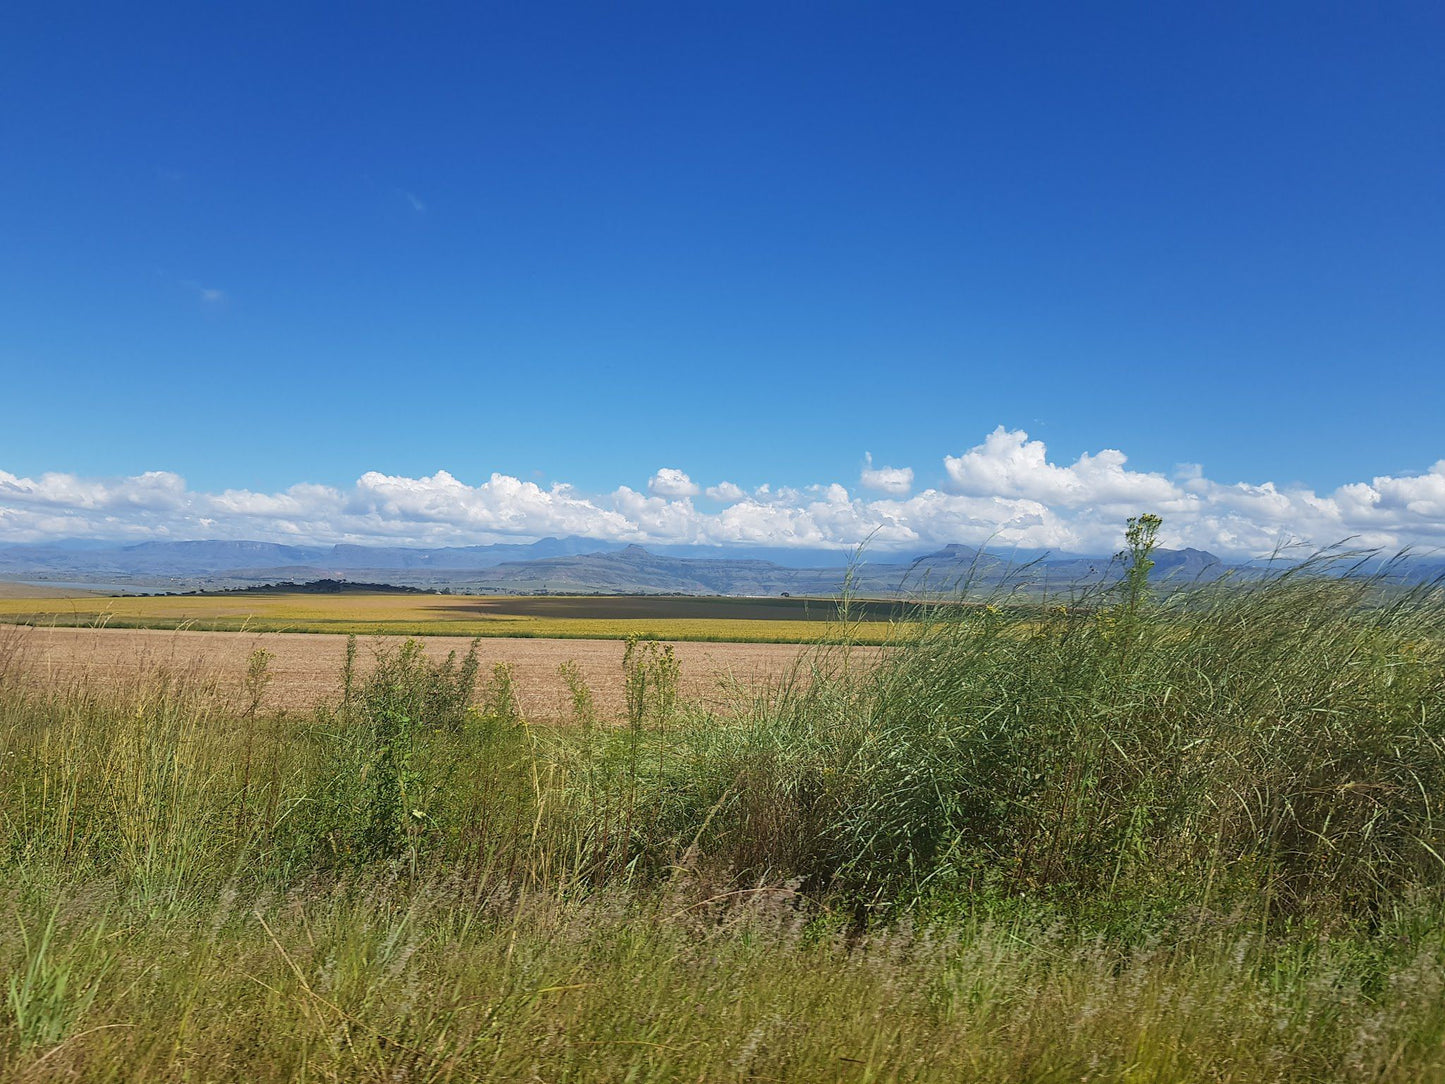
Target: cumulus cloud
{"points": [[671, 482], [1004, 490], [1008, 464], [895, 480], [726, 492]]}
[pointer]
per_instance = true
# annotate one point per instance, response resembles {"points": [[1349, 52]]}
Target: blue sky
{"points": [[253, 248]]}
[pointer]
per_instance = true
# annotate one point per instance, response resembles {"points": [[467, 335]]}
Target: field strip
{"points": [[306, 666], [671, 618]]}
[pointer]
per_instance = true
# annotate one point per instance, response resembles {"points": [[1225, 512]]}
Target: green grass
{"points": [[1135, 841], [455, 981]]}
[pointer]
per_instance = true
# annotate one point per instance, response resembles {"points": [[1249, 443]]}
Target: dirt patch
{"points": [[306, 666]]}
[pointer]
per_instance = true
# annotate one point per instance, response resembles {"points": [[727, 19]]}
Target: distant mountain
{"points": [[786, 556], [566, 565], [458, 557], [171, 559], [1188, 564], [634, 570]]}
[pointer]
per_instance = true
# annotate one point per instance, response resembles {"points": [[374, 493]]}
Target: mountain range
{"points": [[569, 565]]}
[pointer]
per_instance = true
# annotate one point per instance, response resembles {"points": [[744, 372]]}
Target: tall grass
{"points": [[1123, 839], [1278, 742]]}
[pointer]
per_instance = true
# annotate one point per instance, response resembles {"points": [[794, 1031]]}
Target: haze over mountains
{"points": [[564, 565]]}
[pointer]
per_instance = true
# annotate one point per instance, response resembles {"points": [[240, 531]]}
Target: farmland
{"points": [[304, 669], [673, 618]]}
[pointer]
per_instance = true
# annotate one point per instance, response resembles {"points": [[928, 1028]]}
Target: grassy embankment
{"points": [[739, 620], [1193, 841]]}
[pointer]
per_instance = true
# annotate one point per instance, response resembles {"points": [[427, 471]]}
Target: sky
{"points": [[782, 274]]}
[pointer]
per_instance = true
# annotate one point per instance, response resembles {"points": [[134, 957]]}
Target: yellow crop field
{"points": [[601, 617]]}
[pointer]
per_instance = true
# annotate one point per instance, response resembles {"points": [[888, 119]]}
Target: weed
{"points": [[371, 805], [584, 705], [258, 676], [500, 702], [650, 674]]}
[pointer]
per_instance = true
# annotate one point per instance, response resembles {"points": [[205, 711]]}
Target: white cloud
{"points": [[1004, 490], [895, 480], [726, 492], [671, 482], [1008, 464], [151, 490]]}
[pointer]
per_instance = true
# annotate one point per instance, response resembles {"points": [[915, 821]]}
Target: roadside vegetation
{"points": [[1131, 839]]}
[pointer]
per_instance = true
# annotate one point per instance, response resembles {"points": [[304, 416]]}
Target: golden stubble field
{"points": [[306, 667], [672, 618]]}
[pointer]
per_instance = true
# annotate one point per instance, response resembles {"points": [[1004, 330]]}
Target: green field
{"points": [[766, 620]]}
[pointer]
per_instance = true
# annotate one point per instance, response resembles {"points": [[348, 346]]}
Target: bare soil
{"points": [[306, 667]]}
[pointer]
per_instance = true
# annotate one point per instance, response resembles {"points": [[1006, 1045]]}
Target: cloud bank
{"points": [[1005, 490]]}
